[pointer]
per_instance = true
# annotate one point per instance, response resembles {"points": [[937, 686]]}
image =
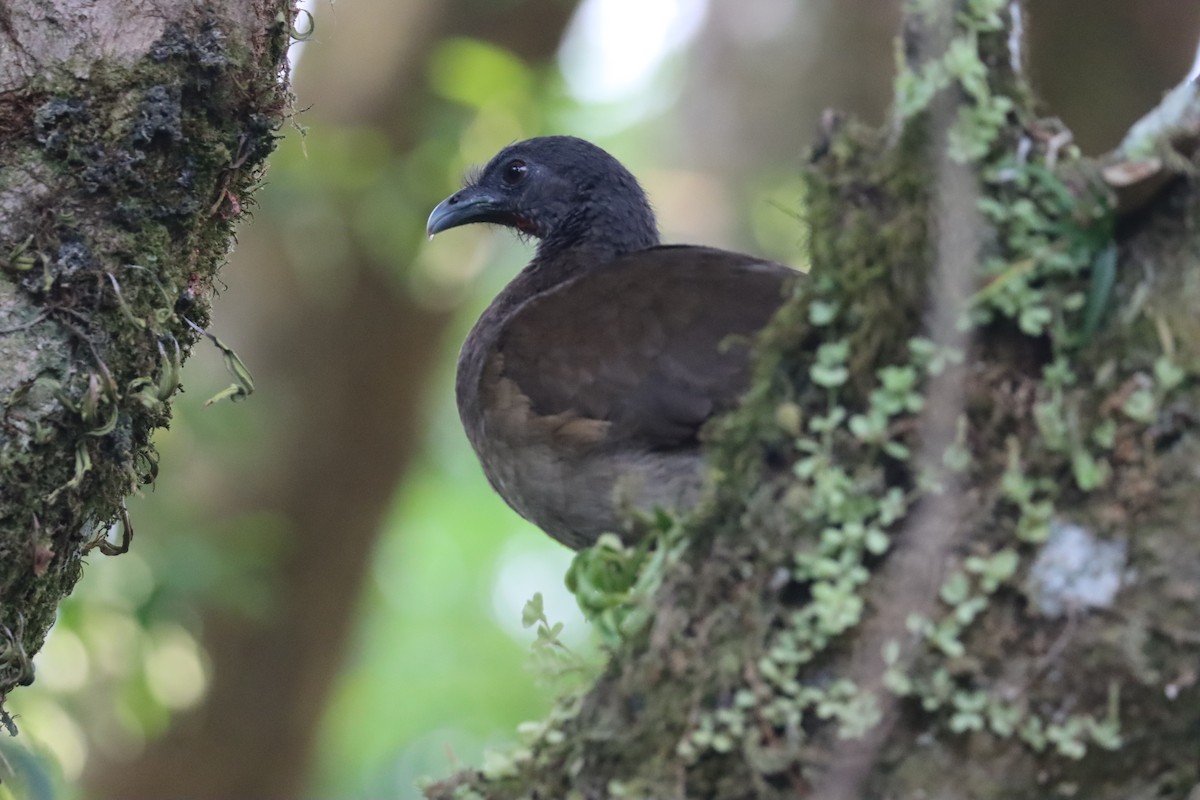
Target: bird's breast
{"points": [[563, 471]]}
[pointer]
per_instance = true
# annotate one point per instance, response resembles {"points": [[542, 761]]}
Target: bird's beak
{"points": [[464, 207]]}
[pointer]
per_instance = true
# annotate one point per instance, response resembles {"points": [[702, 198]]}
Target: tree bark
{"points": [[130, 142], [952, 550]]}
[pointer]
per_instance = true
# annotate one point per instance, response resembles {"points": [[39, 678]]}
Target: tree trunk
{"points": [[953, 550], [130, 143]]}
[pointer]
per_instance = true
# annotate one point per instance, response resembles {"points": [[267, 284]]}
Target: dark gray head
{"points": [[563, 190]]}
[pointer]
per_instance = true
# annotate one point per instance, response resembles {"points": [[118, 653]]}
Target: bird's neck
{"points": [[597, 234]]}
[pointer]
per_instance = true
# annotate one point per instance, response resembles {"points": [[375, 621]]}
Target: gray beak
{"points": [[464, 207]]}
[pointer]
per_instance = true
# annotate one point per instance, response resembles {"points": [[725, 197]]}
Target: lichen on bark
{"points": [[125, 168]]}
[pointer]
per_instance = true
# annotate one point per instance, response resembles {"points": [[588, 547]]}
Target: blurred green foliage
{"points": [[433, 677]]}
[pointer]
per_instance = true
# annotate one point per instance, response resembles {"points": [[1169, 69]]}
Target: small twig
{"points": [[24, 326], [108, 548], [909, 581], [9, 723], [111, 384], [1158, 147]]}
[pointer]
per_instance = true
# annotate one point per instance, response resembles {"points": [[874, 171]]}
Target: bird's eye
{"points": [[514, 172]]}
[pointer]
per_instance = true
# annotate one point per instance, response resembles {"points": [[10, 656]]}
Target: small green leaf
{"points": [[955, 589], [1140, 406], [1104, 276], [1167, 374], [1034, 320], [243, 385], [533, 612], [1105, 434], [821, 313], [876, 542], [828, 376], [1089, 473]]}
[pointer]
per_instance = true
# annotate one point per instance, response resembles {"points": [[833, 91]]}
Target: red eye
{"points": [[514, 172]]}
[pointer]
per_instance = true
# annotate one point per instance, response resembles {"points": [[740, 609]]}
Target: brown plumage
{"points": [[585, 384]]}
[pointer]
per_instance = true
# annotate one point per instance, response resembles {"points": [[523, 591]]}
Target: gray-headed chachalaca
{"points": [[585, 384]]}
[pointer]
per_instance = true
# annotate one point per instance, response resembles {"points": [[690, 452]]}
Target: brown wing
{"points": [[642, 342]]}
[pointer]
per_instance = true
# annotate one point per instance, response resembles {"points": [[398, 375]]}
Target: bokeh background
{"points": [[324, 598]]}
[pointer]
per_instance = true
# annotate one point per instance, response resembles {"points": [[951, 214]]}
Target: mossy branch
{"points": [[970, 579]]}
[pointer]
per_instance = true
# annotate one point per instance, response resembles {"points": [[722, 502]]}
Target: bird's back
{"points": [[589, 393]]}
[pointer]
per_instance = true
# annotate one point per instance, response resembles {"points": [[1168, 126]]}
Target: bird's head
{"points": [[565, 191]]}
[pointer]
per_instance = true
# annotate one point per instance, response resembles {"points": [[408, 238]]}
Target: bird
{"points": [[585, 385]]}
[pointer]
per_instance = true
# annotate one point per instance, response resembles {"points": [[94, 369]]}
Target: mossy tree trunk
{"points": [[953, 550], [130, 143]]}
